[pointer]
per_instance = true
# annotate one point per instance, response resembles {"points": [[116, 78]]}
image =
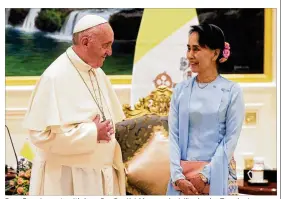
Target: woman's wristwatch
{"points": [[203, 178]]}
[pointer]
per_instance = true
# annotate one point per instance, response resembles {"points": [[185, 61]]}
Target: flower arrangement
{"points": [[18, 183]]}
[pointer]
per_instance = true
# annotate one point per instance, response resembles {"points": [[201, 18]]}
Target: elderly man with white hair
{"points": [[71, 119]]}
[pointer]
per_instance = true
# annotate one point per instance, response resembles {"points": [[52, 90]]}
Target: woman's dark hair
{"points": [[211, 36]]}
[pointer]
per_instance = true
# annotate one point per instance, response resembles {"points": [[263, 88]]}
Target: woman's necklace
{"points": [[203, 85]]}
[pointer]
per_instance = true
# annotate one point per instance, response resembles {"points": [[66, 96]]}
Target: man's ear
{"points": [[84, 41]]}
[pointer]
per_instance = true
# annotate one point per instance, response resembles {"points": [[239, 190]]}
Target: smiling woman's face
{"points": [[201, 58]]}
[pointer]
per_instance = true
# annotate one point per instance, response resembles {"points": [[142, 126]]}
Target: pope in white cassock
{"points": [[71, 119]]}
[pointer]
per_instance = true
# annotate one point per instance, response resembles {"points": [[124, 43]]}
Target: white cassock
{"points": [[69, 160]]}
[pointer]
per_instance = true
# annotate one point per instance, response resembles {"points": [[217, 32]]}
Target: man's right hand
{"points": [[186, 187], [105, 129]]}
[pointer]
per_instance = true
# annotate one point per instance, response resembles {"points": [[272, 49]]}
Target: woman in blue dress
{"points": [[205, 119]]}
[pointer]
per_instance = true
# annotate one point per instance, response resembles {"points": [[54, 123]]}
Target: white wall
{"points": [[259, 138]]}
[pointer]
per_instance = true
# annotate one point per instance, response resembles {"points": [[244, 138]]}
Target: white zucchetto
{"points": [[88, 21]]}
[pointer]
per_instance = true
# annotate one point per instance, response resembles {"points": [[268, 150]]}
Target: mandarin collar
{"points": [[77, 61]]}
